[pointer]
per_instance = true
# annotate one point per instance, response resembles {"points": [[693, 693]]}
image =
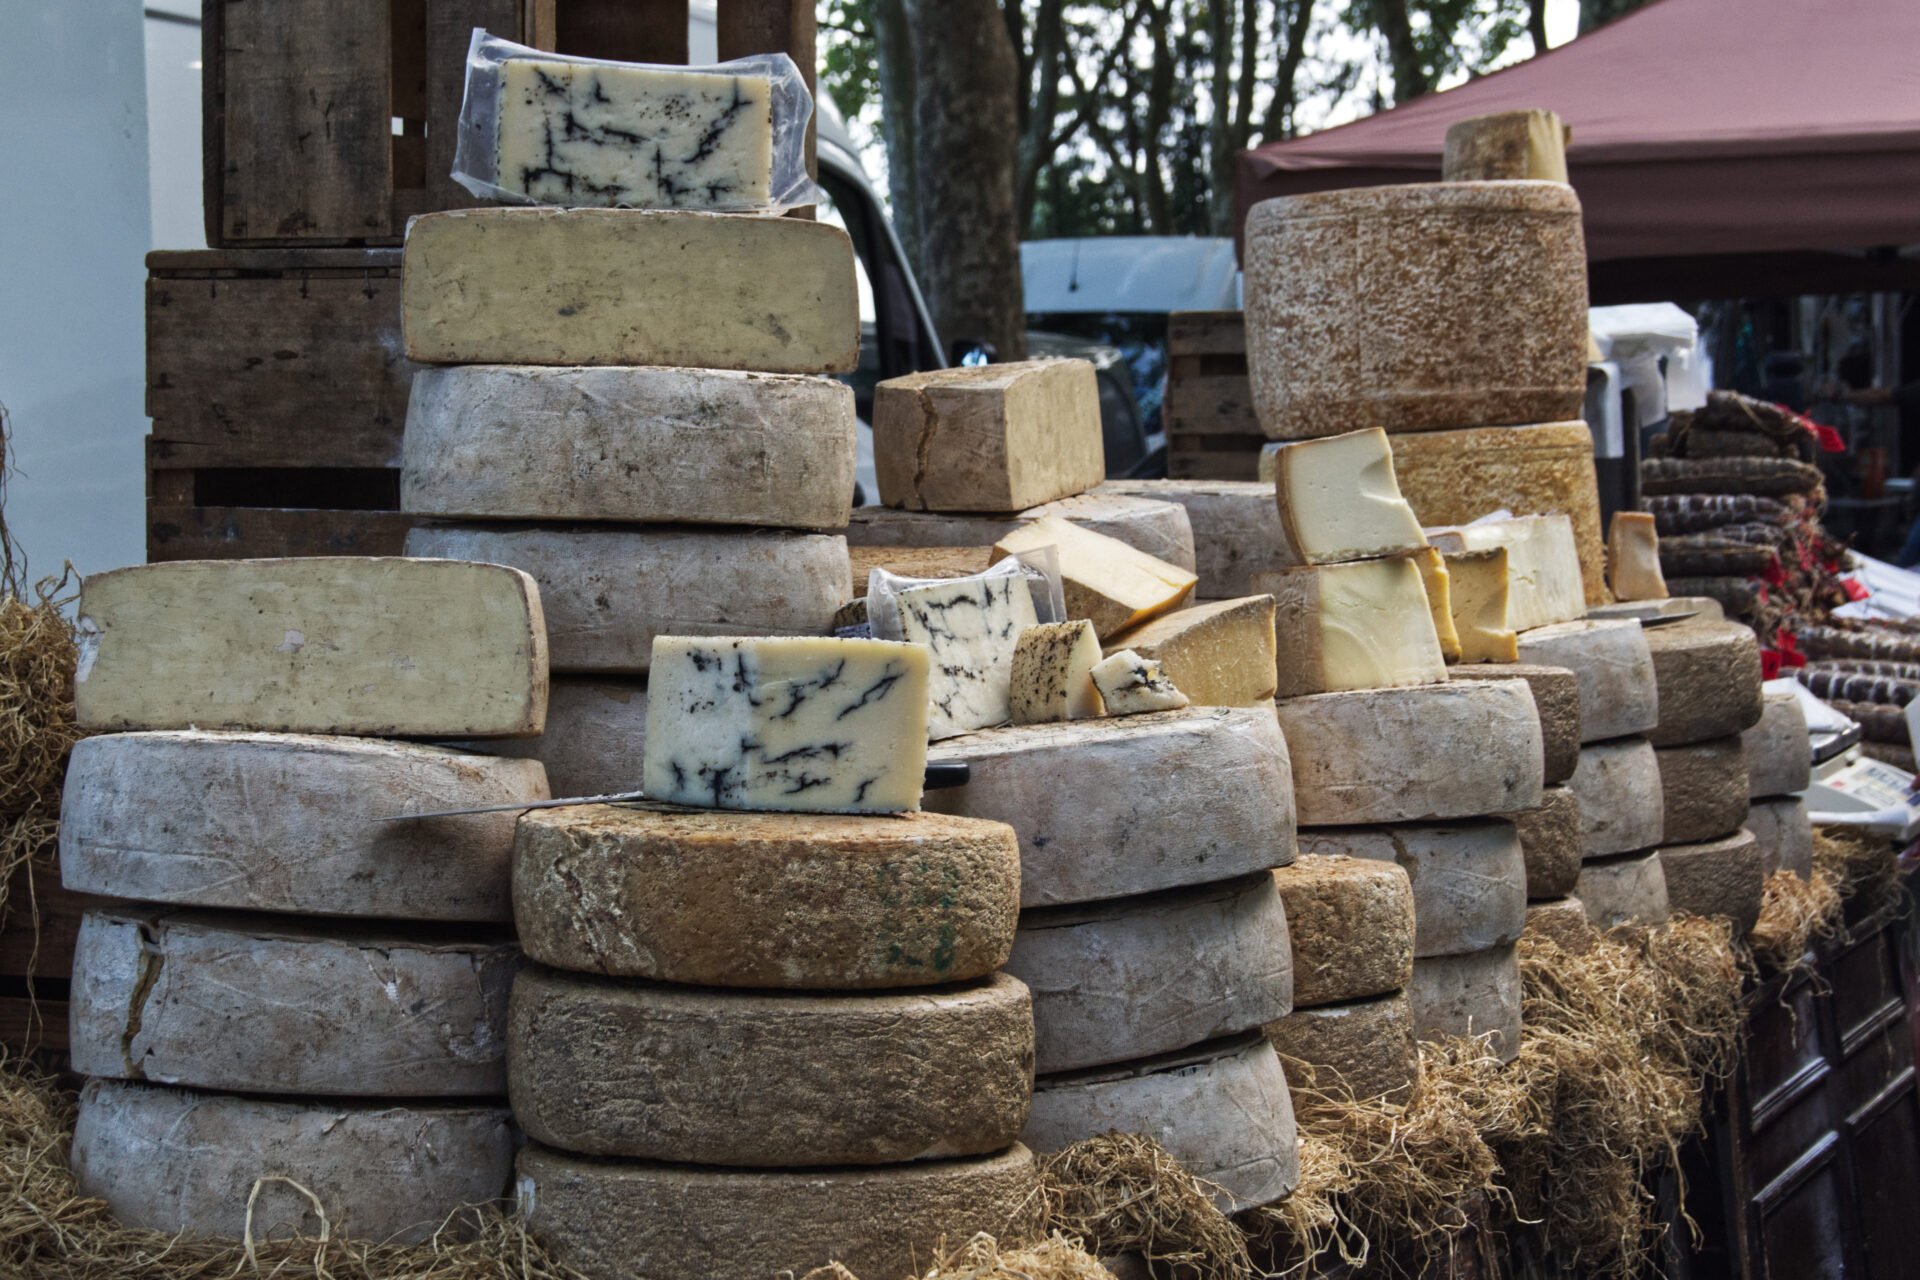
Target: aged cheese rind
{"points": [[644, 1221], [1622, 808], [640, 137], [595, 739], [1116, 807], [970, 628], [644, 445], [1552, 841], [1610, 658], [1052, 674], [281, 822], [1633, 557], [1361, 1048], [1504, 146], [1783, 834], [1160, 529], [1563, 922], [1363, 625], [1132, 685], [1416, 308], [1112, 585], [1721, 877], [259, 1004], [825, 902], [1779, 754], [1628, 889], [1219, 654], [1414, 755], [377, 647], [1477, 596], [997, 437], [1704, 787], [768, 1079], [1433, 576], [1556, 697], [1351, 922], [1469, 878], [1543, 565], [608, 592], [1338, 500], [1709, 679], [626, 287], [179, 1161], [1476, 995], [1123, 980], [1236, 529], [1222, 1110]]}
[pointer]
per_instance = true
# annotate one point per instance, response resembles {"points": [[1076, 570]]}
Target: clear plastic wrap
{"points": [[727, 138], [1040, 567]]}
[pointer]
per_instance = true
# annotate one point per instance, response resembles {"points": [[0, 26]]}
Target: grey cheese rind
{"points": [[1610, 659], [1779, 753], [595, 739], [1723, 877], [1622, 806], [1469, 878], [970, 629], [1630, 889], [1052, 674], [1477, 994], [1131, 685], [795, 724], [1784, 834]]}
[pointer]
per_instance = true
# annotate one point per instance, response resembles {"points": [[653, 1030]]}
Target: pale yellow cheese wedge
{"points": [[1633, 557], [1339, 500], [1107, 582], [1221, 653], [1477, 589], [1433, 576], [1543, 565], [1363, 625]]}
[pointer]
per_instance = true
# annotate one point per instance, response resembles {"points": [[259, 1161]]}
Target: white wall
{"points": [[74, 230], [173, 123]]}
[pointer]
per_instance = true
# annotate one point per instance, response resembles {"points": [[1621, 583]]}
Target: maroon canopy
{"points": [[1721, 127]]}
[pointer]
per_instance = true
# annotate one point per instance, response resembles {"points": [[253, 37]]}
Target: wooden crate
{"points": [[36, 963], [1211, 431]]}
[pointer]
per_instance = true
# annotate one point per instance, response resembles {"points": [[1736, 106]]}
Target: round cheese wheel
{"points": [[1415, 754], [1476, 995], [1116, 981], [1469, 878], [769, 1079], [288, 822], [1556, 697], [187, 1163], [596, 737], [263, 1004], [1221, 1109], [1351, 921], [1130, 804], [1629, 889], [1161, 529], [1717, 878], [607, 592], [1779, 755], [1552, 841], [1784, 834], [1563, 922], [645, 445], [1236, 528], [1610, 660], [1704, 785], [639, 1220], [780, 900], [1709, 679], [1361, 1048], [1617, 784]]}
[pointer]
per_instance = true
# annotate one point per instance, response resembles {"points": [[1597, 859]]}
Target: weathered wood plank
{"points": [[626, 30], [1207, 333], [238, 533]]}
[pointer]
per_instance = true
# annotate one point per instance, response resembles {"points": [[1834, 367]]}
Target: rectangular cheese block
{"points": [[1220, 654], [1633, 557], [629, 287], [376, 647], [787, 724], [1131, 685], [1543, 565], [1107, 582], [991, 438], [1433, 576], [1052, 676], [1363, 625], [1477, 585], [583, 133], [970, 628], [1339, 500]]}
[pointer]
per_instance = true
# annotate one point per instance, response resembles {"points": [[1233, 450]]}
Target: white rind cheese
{"points": [[1130, 685], [803, 725], [970, 628], [1363, 625], [1543, 565], [1339, 500], [1779, 752], [1784, 835], [1052, 674]]}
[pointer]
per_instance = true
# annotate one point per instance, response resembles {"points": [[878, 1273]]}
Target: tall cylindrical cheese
{"points": [[281, 822], [1629, 889], [1469, 878], [1779, 754], [1350, 923], [1709, 679], [1476, 995], [1716, 878], [1704, 786], [1161, 529], [1610, 659], [1621, 806], [1363, 1048]]}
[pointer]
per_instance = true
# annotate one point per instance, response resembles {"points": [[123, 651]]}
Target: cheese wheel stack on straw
{"points": [[1779, 771]]}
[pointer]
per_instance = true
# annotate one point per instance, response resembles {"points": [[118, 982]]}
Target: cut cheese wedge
{"points": [[1339, 500], [1477, 595], [1107, 582], [1439, 587], [1543, 565], [1130, 685], [1052, 675], [1219, 654], [1364, 625], [1633, 557], [970, 627]]}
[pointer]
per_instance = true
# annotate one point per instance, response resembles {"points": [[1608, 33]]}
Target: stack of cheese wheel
{"points": [[1708, 675], [297, 1018], [1779, 770], [1151, 934]]}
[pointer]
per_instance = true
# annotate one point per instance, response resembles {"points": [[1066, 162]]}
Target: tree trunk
{"points": [[967, 80], [893, 49], [1537, 25], [1290, 25], [1037, 141], [1403, 54], [1152, 180], [1220, 136]]}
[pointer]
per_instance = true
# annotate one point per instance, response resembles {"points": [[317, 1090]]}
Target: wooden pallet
{"points": [[1211, 430], [36, 963]]}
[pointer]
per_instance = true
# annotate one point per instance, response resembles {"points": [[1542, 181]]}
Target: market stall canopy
{"points": [[1719, 146]]}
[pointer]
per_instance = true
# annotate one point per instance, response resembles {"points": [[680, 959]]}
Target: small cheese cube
{"points": [[1633, 557], [1543, 565], [1505, 146], [1363, 625], [794, 723], [1107, 582], [1052, 675], [582, 133], [998, 438], [1221, 653], [1433, 576], [1339, 500], [1130, 684], [1477, 589], [970, 627]]}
